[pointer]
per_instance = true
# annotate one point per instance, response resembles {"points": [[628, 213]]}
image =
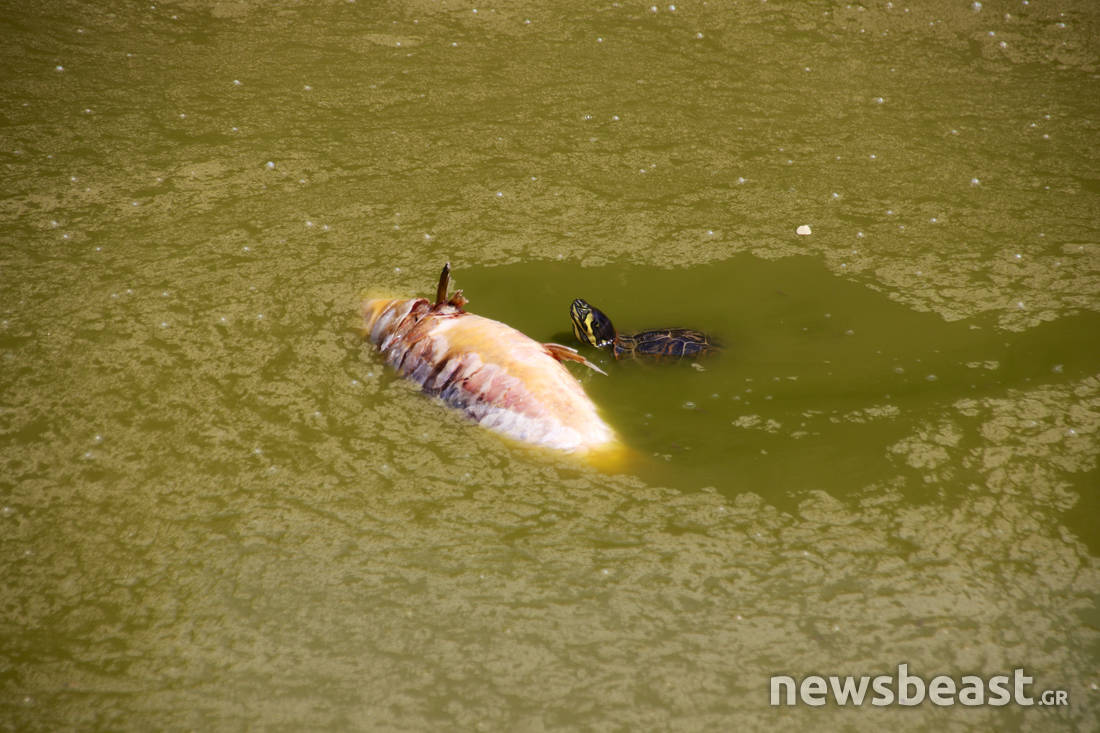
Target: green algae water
{"points": [[817, 375], [220, 510]]}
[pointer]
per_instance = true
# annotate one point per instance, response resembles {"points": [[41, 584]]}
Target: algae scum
{"points": [[220, 510], [819, 376]]}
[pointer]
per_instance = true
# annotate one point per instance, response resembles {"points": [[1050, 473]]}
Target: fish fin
{"points": [[566, 353], [458, 300], [444, 285]]}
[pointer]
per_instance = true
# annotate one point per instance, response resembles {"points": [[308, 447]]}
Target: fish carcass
{"points": [[499, 377]]}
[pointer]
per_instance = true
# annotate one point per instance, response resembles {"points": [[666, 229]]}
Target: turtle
{"points": [[591, 326]]}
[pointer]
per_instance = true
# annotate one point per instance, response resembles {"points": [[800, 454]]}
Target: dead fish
{"points": [[496, 375]]}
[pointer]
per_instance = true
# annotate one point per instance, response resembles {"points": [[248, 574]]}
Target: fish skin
{"points": [[496, 375]]}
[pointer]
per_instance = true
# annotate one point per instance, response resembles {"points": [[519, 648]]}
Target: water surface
{"points": [[219, 510]]}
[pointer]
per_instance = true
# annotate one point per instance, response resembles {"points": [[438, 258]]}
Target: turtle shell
{"points": [[666, 344]]}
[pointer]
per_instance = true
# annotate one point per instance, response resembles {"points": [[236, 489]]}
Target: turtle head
{"points": [[590, 325]]}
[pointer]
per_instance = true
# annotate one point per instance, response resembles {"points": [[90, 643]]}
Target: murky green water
{"points": [[819, 375], [218, 510]]}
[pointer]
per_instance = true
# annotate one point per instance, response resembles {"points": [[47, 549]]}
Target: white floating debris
{"points": [[804, 230], [270, 165]]}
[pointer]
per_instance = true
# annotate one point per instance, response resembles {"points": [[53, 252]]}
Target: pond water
{"points": [[818, 376], [220, 510]]}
